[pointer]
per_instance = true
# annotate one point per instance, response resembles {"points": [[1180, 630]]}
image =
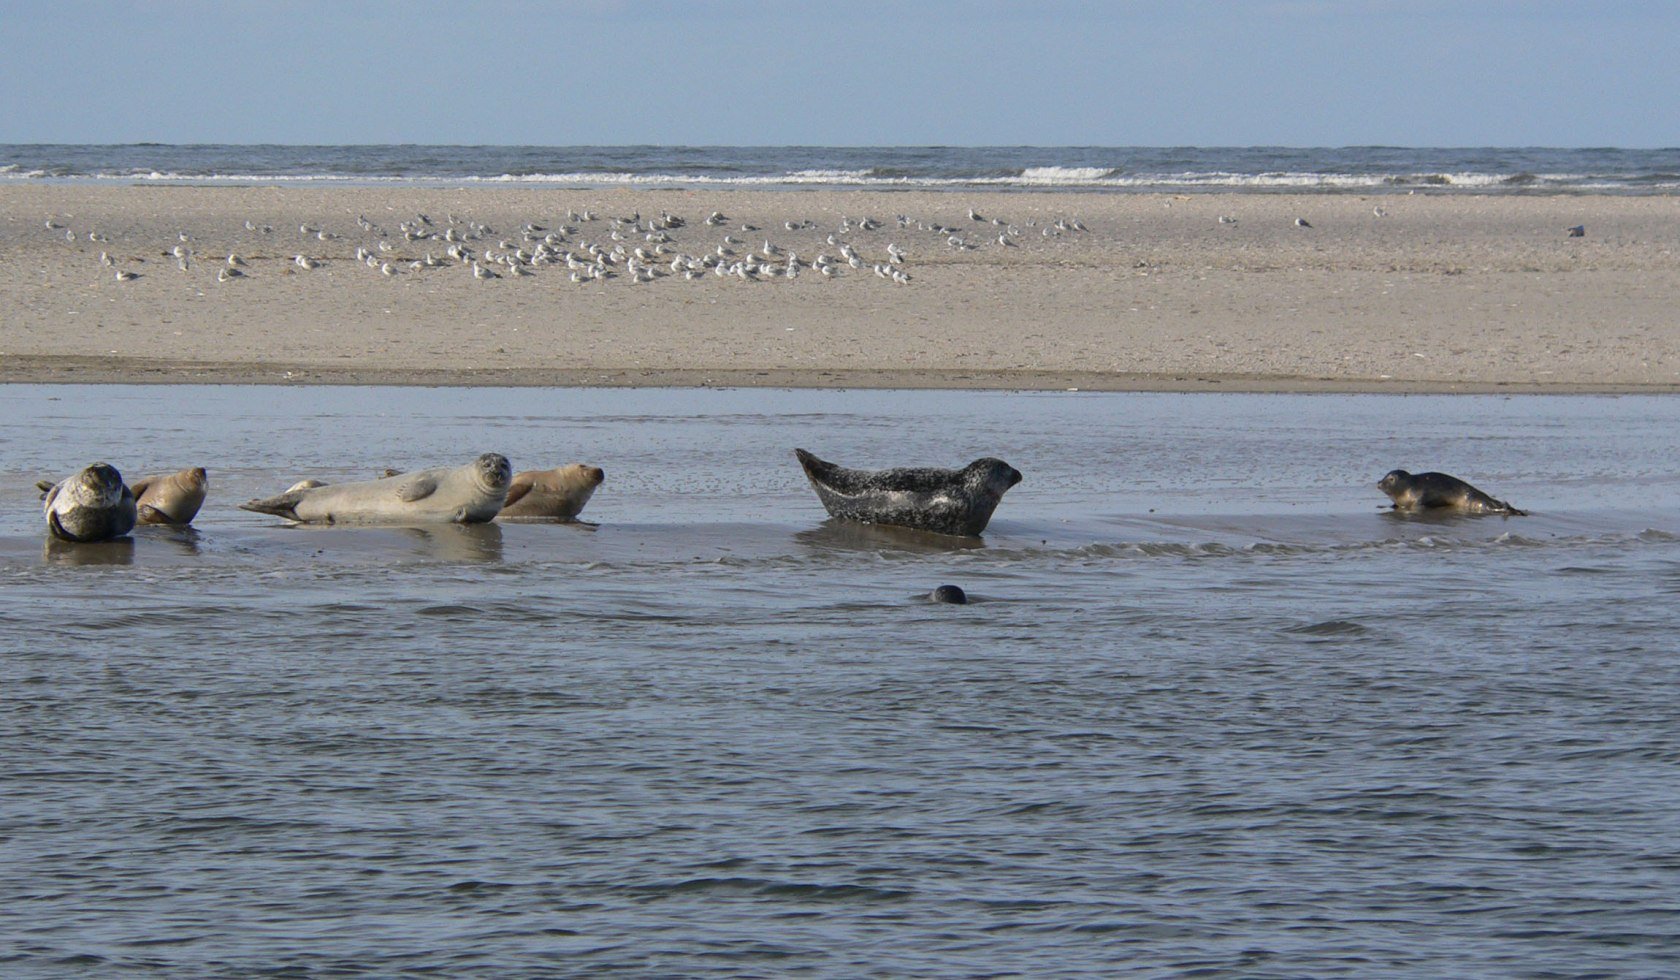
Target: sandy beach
{"points": [[1133, 291]]}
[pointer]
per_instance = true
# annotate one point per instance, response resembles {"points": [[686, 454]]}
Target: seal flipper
{"points": [[282, 506], [138, 487], [418, 488], [520, 486], [45, 486], [57, 530], [151, 515]]}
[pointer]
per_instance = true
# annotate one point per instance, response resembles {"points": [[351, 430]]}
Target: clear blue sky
{"points": [[844, 72]]}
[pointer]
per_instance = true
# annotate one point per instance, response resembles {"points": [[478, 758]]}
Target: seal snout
{"points": [[596, 475]]}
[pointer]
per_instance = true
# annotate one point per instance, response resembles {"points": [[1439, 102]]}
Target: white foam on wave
{"points": [[1096, 178], [1064, 175]]}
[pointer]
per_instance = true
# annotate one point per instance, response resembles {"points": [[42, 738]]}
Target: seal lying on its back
{"points": [[470, 494], [93, 505], [172, 498], [1420, 491], [956, 502], [558, 494]]}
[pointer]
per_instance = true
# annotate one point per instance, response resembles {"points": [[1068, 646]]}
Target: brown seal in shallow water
{"points": [[558, 494], [1427, 491], [171, 498]]}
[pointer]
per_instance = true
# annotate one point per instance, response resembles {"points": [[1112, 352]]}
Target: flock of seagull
{"points": [[588, 248]]}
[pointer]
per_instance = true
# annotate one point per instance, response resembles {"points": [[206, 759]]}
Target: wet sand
{"points": [[1438, 293]]}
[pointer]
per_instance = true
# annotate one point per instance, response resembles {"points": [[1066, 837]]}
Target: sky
{"points": [[844, 72]]}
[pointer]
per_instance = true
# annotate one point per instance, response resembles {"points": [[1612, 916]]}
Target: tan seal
{"points": [[171, 498], [470, 494], [555, 495]]}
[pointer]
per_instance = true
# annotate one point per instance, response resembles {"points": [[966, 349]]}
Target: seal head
{"points": [[956, 502]]}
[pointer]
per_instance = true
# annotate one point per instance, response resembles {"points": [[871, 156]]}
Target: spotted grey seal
{"points": [[557, 494], [958, 502], [949, 594], [93, 505], [171, 498], [1424, 491], [469, 494]]}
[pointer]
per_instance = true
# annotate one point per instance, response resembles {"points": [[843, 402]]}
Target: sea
{"points": [[1213, 710], [1358, 169]]}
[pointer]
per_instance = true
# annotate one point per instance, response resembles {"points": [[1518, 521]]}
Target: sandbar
{"points": [[1131, 291]]}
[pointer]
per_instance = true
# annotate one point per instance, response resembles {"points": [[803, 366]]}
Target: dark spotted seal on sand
{"points": [[171, 498], [93, 505], [1429, 491], [958, 502], [470, 494]]}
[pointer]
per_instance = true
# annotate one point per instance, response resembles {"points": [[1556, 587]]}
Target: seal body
{"points": [[93, 505], [171, 498], [470, 494], [558, 494], [1429, 491], [958, 502]]}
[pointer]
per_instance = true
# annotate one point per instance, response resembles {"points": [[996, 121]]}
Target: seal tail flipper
{"points": [[281, 506], [45, 486], [1512, 511]]}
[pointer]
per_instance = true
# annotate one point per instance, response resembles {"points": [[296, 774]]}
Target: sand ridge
{"points": [[1442, 292]]}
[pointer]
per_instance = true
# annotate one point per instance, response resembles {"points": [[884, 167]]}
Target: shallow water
{"points": [[1213, 712]]}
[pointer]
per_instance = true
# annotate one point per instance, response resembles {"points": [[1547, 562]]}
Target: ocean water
{"points": [[1213, 712], [1360, 169]]}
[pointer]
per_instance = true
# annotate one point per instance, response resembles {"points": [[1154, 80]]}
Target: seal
{"points": [[470, 494], [950, 594], [558, 494], [1429, 491], [171, 498], [956, 502], [93, 505]]}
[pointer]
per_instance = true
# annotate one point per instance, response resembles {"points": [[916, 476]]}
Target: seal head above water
{"points": [[93, 505], [556, 495], [171, 498], [1430, 491], [957, 502], [470, 494]]}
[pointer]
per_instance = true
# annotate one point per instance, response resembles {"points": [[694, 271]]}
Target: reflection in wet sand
{"points": [[839, 535], [117, 552], [439, 542]]}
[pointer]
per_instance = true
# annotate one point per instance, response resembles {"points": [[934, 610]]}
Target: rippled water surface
{"points": [[1214, 711]]}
